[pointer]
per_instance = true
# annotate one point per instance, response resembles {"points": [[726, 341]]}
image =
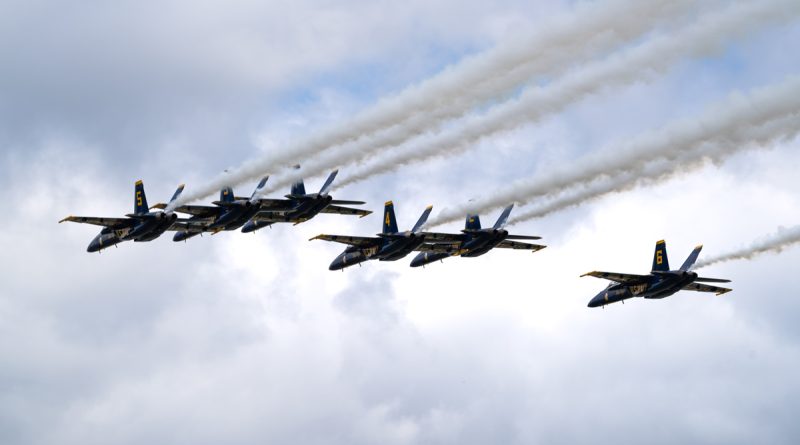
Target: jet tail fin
{"points": [[259, 187], [503, 219], [389, 220], [226, 195], [690, 260], [175, 195], [328, 183], [140, 200], [298, 188], [473, 222], [422, 220], [660, 261]]}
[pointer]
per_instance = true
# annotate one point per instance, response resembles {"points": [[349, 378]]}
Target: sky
{"points": [[249, 339]]}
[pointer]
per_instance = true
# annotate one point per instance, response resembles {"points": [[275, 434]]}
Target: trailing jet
{"points": [[660, 283], [229, 213], [472, 241], [300, 206], [389, 245], [141, 225]]}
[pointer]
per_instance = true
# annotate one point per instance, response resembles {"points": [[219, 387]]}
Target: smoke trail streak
{"points": [[590, 29], [661, 170], [706, 35], [728, 119], [777, 242], [591, 32]]}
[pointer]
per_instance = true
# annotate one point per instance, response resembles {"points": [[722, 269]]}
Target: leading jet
{"points": [[141, 225], [472, 241], [389, 245], [300, 206], [660, 283]]}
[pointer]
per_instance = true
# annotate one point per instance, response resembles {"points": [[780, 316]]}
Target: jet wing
{"points": [[622, 278], [706, 288], [190, 226], [506, 244], [345, 210], [102, 221], [358, 241], [444, 238], [436, 248], [275, 205], [194, 210]]}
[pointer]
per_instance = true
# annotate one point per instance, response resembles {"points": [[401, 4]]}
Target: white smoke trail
{"points": [[728, 119], [590, 29], [706, 35], [777, 242], [590, 32], [660, 170]]}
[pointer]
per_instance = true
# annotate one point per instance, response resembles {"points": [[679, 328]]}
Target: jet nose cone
{"points": [[337, 264], [418, 260], [598, 300], [94, 246]]}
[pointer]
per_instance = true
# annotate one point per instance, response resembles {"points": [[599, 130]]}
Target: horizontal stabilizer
{"points": [[226, 203], [712, 280], [520, 237], [345, 211], [505, 244], [697, 287], [346, 202]]}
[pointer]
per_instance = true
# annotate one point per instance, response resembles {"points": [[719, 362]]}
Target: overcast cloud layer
{"points": [[249, 339]]}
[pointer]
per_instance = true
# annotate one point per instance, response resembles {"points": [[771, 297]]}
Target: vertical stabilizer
{"points": [[660, 261], [298, 188], [389, 221], [422, 219], [503, 219], [692, 258], [139, 199], [260, 186], [175, 195], [473, 223], [226, 194]]}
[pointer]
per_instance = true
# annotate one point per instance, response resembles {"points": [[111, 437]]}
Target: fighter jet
{"points": [[229, 213], [300, 206], [660, 283], [389, 245], [472, 241], [141, 225]]}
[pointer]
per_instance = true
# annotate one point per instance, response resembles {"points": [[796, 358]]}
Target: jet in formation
{"points": [[254, 213], [389, 245], [141, 225], [473, 241], [660, 283]]}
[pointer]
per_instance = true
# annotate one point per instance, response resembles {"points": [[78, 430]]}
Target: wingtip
{"points": [[316, 237], [139, 182], [430, 207], [699, 246], [661, 241], [65, 219], [388, 203]]}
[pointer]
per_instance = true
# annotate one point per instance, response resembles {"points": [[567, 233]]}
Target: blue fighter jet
{"points": [[660, 283], [141, 225], [389, 245], [229, 213], [300, 206], [472, 241]]}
